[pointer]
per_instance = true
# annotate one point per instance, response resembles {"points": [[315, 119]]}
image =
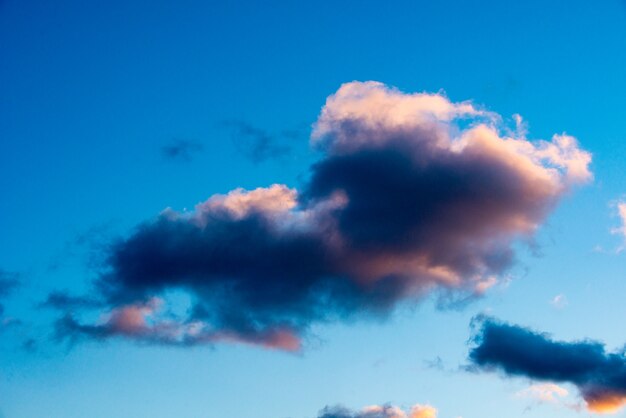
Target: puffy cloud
{"points": [[370, 115], [371, 106], [380, 411], [277, 199], [600, 376], [413, 193], [423, 411]]}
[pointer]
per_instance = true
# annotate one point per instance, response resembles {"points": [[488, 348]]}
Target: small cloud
{"points": [[146, 323], [543, 392], [549, 393], [258, 145], [29, 345], [599, 375], [621, 229], [8, 282], [435, 364], [598, 249], [559, 301], [63, 301], [422, 411], [521, 126], [181, 150], [380, 411]]}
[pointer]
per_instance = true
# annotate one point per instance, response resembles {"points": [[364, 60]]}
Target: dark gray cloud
{"points": [[402, 203], [64, 301], [599, 375], [181, 150]]}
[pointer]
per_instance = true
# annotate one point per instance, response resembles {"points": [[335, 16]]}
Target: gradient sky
{"points": [[111, 112]]}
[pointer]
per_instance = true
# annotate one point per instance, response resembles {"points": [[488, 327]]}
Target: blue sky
{"points": [[91, 93]]}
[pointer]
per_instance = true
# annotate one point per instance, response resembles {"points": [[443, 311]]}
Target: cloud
{"points": [[435, 364], [413, 194], [422, 411], [181, 150], [600, 376], [141, 322], [559, 301], [8, 283], [544, 392], [29, 345], [63, 301], [377, 411], [621, 230], [258, 145]]}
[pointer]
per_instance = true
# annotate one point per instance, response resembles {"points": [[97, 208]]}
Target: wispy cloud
{"points": [[147, 323], [621, 229], [543, 392], [549, 393], [181, 150], [435, 364], [64, 301], [259, 145], [559, 301], [9, 282]]}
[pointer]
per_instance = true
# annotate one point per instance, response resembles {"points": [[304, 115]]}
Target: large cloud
{"points": [[413, 193], [599, 375]]}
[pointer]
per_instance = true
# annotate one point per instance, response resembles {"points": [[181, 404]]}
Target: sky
{"points": [[331, 209]]}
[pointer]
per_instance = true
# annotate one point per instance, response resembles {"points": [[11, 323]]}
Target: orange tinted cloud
{"points": [[600, 376], [606, 403], [380, 411], [412, 194]]}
